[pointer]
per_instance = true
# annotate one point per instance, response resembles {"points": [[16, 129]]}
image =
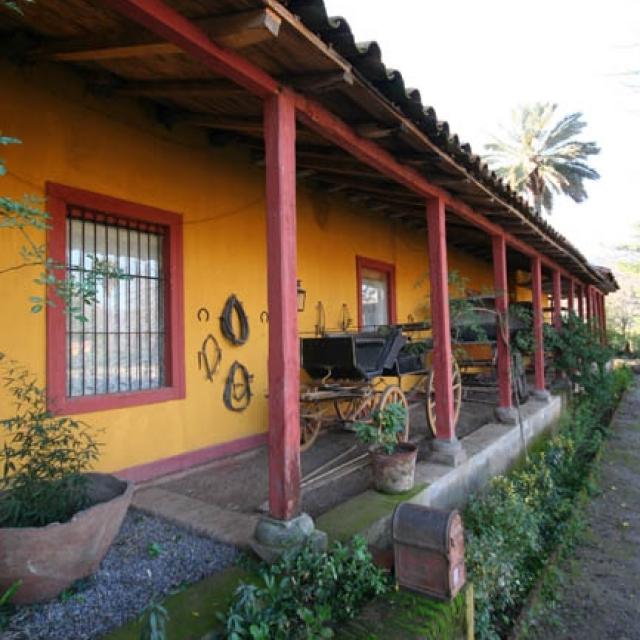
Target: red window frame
{"points": [[386, 268], [59, 197]]}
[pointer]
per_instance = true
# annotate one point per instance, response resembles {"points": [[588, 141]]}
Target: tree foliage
{"points": [[540, 156]]}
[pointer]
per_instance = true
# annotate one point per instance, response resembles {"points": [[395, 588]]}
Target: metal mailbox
{"points": [[428, 550]]}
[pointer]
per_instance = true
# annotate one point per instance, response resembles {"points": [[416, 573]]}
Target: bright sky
{"points": [[474, 61]]}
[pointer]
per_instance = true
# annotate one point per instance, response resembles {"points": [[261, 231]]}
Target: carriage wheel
{"points": [[391, 395], [456, 385], [355, 409], [310, 425]]}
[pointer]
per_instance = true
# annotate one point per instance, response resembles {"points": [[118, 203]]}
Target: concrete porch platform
{"points": [[224, 499], [491, 450]]}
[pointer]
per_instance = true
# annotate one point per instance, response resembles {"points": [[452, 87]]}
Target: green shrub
{"points": [[385, 428], [44, 457], [514, 527], [303, 594]]}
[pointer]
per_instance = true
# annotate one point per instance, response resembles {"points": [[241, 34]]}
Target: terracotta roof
{"points": [[318, 56], [366, 58]]}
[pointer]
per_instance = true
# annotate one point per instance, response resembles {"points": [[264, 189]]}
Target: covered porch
{"points": [[315, 109]]}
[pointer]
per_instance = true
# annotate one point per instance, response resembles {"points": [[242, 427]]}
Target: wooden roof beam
{"points": [[211, 121], [177, 88], [319, 82], [375, 131], [234, 31]]}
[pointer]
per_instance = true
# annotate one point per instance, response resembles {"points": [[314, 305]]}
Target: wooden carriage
{"points": [[351, 374]]}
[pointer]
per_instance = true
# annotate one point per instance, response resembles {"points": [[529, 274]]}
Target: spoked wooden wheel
{"points": [[356, 409], [310, 424], [456, 385], [395, 395]]}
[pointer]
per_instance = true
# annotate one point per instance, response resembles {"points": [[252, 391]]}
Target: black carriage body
{"points": [[358, 356]]}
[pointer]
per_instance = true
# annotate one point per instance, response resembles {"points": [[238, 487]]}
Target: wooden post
{"points": [[538, 320], [557, 300], [571, 302], [440, 320], [581, 301], [502, 321], [284, 358], [604, 319], [600, 296], [589, 305]]}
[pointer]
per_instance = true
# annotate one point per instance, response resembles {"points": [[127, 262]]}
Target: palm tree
{"points": [[540, 156]]}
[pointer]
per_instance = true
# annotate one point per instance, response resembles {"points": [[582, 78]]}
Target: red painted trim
{"points": [[58, 197], [501, 285], [538, 322], [440, 321], [183, 461], [284, 352], [557, 300], [164, 21], [161, 19], [390, 271]]}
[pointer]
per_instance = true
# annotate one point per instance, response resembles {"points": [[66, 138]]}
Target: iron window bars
{"points": [[121, 345]]}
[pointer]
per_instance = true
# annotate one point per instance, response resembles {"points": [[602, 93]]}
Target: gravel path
{"points": [[149, 559], [601, 599]]}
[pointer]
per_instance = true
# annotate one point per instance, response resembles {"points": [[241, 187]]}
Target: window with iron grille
{"points": [[120, 345], [130, 348]]}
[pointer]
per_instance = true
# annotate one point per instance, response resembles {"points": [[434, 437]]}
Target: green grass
{"points": [[192, 612], [404, 615]]}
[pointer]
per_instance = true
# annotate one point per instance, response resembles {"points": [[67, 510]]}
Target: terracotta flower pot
{"points": [[394, 473], [49, 559]]}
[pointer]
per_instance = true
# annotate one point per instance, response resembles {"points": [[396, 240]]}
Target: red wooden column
{"points": [[502, 308], [445, 444], [572, 297], [581, 301], [538, 320], [601, 316], [604, 319], [589, 305], [284, 358], [557, 300]]}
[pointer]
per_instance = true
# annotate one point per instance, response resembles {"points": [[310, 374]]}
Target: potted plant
{"points": [[56, 520], [393, 461]]}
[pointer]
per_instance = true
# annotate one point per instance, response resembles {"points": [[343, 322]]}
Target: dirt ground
{"points": [[601, 597], [239, 483]]}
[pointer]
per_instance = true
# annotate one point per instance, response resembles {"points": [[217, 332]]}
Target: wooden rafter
{"points": [[234, 31], [180, 88]]}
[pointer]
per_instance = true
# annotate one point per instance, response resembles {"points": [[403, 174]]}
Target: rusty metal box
{"points": [[428, 549]]}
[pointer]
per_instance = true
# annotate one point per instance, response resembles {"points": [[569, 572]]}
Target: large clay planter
{"points": [[394, 473], [50, 559]]}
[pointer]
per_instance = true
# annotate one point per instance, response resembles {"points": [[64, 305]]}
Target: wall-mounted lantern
{"points": [[302, 296]]}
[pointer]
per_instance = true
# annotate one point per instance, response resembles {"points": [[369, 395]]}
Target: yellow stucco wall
{"points": [[113, 148]]}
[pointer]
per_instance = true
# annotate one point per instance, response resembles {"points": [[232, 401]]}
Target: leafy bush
{"points": [[515, 526], [44, 457], [385, 428], [303, 594]]}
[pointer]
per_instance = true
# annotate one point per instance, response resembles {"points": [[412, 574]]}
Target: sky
{"points": [[476, 61]]}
